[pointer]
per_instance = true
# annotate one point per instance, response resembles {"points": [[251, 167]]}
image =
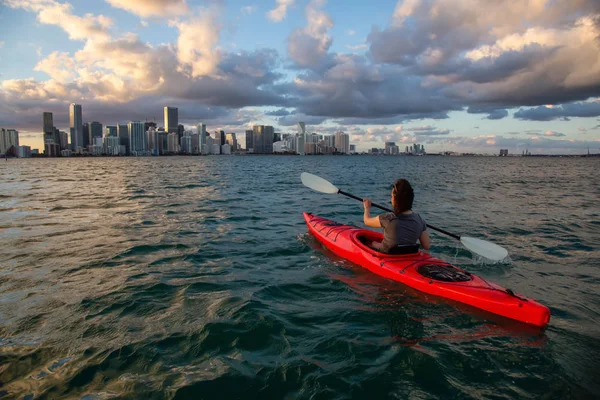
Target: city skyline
{"points": [[520, 77]]}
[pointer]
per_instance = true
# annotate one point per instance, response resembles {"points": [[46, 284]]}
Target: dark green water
{"points": [[195, 278]]}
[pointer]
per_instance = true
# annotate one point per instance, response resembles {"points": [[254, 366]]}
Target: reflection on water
{"points": [[188, 276]]}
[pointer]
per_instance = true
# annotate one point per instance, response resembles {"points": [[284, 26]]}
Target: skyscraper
{"points": [[249, 140], [342, 142], [48, 123], [123, 132], [95, 131], [63, 140], [9, 138], [76, 126], [48, 126], [137, 138], [110, 130], [180, 131], [263, 139], [86, 135], [301, 128], [300, 144], [232, 141], [202, 133], [171, 119]]}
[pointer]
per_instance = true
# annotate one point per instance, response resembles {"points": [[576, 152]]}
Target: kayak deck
{"points": [[426, 273]]}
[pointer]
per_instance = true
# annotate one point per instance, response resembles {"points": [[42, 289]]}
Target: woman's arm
{"points": [[425, 240], [373, 222]]}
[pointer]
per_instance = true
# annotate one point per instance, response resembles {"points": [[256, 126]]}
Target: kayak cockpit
{"points": [[363, 238]]}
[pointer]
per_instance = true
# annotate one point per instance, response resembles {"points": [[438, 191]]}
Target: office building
{"points": [[171, 119], [148, 125], [123, 133], [86, 136], [51, 149], [281, 146], [63, 140], [301, 129], [186, 143], [330, 140], [24, 152], [249, 141], [231, 140], [95, 131], [353, 149], [202, 133], [9, 141], [172, 143], [262, 139], [152, 141], [226, 149], [300, 144], [76, 127], [196, 147], [310, 148], [48, 123], [110, 130], [48, 129], [112, 145], [342, 142], [215, 149], [137, 138]]}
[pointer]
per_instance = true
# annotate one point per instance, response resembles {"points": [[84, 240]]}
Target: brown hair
{"points": [[403, 196]]}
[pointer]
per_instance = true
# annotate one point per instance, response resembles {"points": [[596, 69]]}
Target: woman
{"points": [[402, 228]]}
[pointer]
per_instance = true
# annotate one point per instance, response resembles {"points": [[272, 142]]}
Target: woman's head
{"points": [[402, 196]]}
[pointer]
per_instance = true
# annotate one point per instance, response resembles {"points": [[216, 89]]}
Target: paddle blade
{"points": [[317, 183], [485, 249]]}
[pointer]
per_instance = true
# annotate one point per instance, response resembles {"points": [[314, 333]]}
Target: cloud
{"points": [[549, 113], [281, 112], [1, 44], [503, 53], [493, 113], [357, 47], [308, 46], [60, 67], [248, 10], [196, 44], [554, 134], [350, 32], [61, 14], [149, 8], [278, 13], [293, 119], [427, 130]]}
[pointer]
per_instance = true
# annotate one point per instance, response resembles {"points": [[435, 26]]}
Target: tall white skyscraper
{"points": [[137, 138], [301, 129], [76, 125], [171, 119], [300, 144], [342, 142]]}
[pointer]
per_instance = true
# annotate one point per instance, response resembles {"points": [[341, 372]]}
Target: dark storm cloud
{"points": [[543, 113]]}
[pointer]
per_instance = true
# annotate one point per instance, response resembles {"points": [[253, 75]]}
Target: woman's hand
{"points": [[367, 204]]}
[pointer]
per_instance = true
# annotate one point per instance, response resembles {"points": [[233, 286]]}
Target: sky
{"points": [[454, 75]]}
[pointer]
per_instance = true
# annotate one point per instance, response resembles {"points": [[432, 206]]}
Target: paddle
{"points": [[480, 247]]}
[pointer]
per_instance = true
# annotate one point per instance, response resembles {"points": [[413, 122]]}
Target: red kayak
{"points": [[423, 272]]}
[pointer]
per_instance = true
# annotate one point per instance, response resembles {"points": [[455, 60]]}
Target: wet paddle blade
{"points": [[317, 183], [484, 248]]}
